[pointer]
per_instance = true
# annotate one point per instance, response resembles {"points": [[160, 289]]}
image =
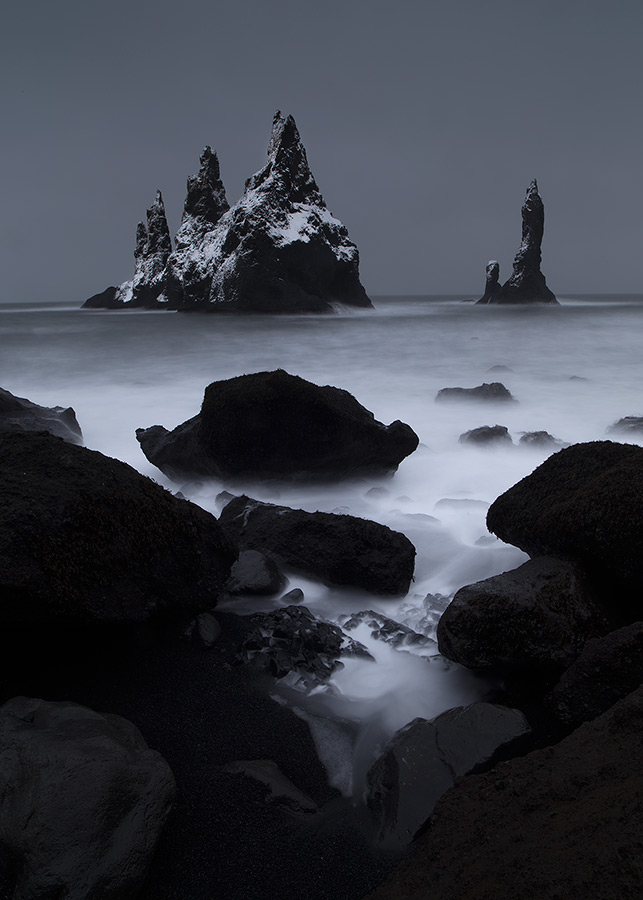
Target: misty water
{"points": [[574, 370]]}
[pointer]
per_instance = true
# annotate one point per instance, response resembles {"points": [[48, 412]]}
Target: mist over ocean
{"points": [[574, 370]]}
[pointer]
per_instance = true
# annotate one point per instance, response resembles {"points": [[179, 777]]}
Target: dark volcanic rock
{"points": [[384, 629], [84, 801], [535, 617], [87, 539], [423, 759], [189, 277], [583, 503], [492, 285], [494, 392], [107, 299], [541, 440], [487, 435], [292, 640], [19, 414], [276, 425], [336, 549], [204, 631], [527, 283], [153, 248], [563, 822], [254, 573], [629, 426], [608, 669], [279, 249]]}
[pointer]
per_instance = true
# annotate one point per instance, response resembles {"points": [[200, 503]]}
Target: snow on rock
{"points": [[278, 249]]}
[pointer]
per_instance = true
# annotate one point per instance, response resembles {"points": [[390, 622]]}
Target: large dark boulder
{"points": [[276, 425], [584, 503], [562, 822], [423, 759], [83, 801], [534, 618], [336, 549], [87, 539], [527, 283], [495, 392], [608, 669], [19, 414]]}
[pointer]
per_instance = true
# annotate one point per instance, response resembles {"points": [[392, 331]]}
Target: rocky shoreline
{"points": [[111, 586]]}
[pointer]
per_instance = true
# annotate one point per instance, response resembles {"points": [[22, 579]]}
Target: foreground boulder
{"points": [[276, 425], [584, 503], [527, 283], [608, 669], [84, 801], [537, 616], [19, 414], [563, 822], [494, 393], [423, 759], [336, 549], [87, 539]]}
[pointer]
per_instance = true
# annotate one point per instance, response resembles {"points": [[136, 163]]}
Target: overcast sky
{"points": [[424, 122]]}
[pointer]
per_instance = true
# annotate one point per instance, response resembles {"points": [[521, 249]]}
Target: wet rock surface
{"points": [[291, 641], [85, 538], [495, 392], [487, 436], [255, 573], [564, 821], [84, 801], [276, 425], [536, 617], [423, 759], [336, 549], [384, 629], [584, 503], [20, 414], [608, 669]]}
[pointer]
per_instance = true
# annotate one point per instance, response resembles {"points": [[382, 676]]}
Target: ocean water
{"points": [[574, 370]]}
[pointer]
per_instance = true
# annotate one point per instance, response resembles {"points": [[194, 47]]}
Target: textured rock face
{"points": [[19, 414], [153, 248], [527, 283], [487, 436], [563, 822], [583, 503], [492, 285], [276, 425], [278, 249], [86, 539], [608, 669], [84, 800], [537, 616], [334, 548], [423, 759], [495, 392], [254, 573]]}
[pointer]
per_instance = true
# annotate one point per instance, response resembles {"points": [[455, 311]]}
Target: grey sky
{"points": [[424, 121]]}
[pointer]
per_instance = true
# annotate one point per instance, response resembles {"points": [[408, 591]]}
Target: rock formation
{"points": [[527, 283], [279, 249], [276, 425], [20, 414], [492, 285], [85, 539], [336, 549], [84, 800], [495, 392]]}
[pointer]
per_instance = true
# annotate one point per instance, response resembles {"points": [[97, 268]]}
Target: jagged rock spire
{"points": [[206, 200], [527, 283], [153, 248], [287, 168], [158, 234]]}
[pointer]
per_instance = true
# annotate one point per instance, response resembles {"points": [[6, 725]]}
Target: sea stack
{"points": [[492, 285], [527, 283], [278, 249]]}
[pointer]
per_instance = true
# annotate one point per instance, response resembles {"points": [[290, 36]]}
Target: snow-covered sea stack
{"points": [[278, 249], [527, 283]]}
